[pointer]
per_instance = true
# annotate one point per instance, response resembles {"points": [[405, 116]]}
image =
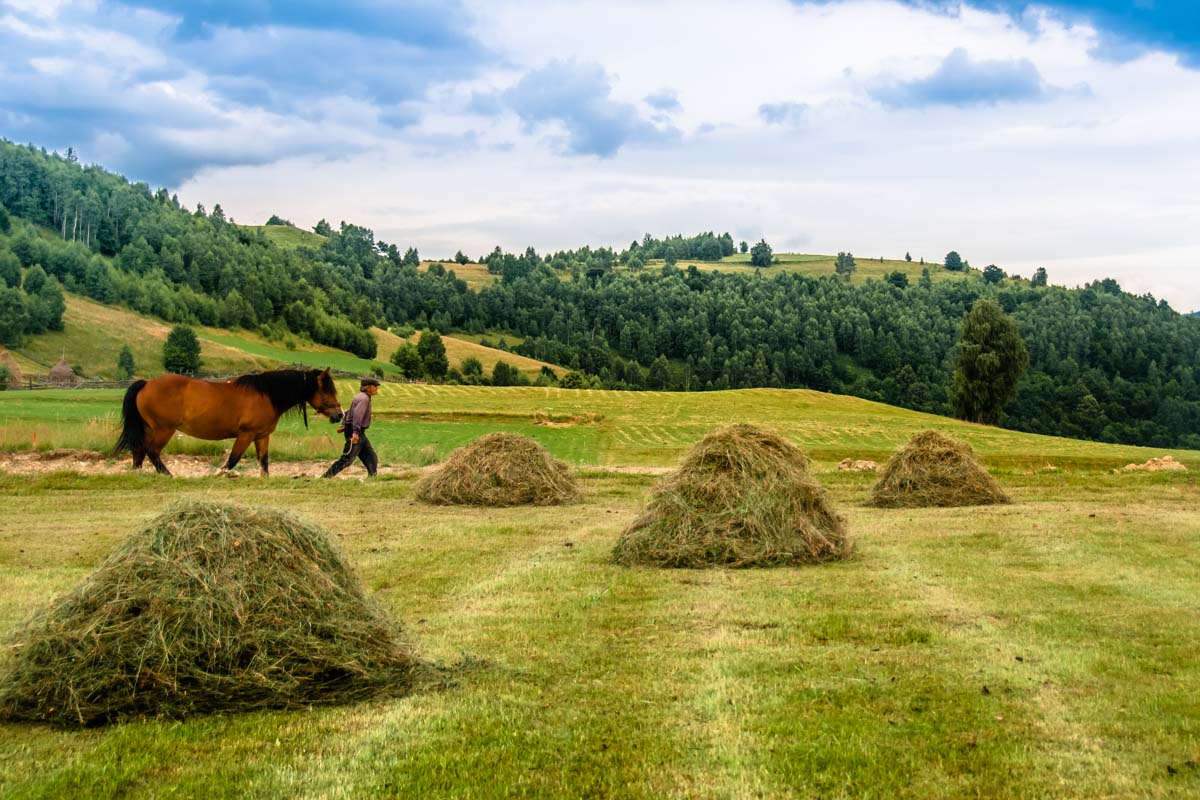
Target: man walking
{"points": [[354, 425]]}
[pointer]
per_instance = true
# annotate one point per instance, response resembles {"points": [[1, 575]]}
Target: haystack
{"points": [[743, 497], [61, 374], [15, 378], [1164, 464], [208, 608], [934, 469], [500, 469]]}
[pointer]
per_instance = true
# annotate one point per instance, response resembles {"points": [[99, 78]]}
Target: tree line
{"points": [[1102, 363]]}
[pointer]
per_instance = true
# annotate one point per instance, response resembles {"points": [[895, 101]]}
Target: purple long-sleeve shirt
{"points": [[358, 416]]}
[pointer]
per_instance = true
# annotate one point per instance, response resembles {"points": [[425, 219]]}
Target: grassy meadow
{"points": [[93, 334], [1047, 648], [815, 266]]}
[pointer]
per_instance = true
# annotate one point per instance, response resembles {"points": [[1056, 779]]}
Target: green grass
{"points": [[93, 335], [287, 237], [818, 265], [1043, 649], [586, 427]]}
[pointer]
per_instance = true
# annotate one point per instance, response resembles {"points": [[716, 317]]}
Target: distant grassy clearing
{"points": [[815, 266]]}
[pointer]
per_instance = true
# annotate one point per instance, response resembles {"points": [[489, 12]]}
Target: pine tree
{"points": [[125, 365], [991, 359], [181, 352]]}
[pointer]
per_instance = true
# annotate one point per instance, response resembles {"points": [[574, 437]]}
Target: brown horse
{"points": [[244, 409]]}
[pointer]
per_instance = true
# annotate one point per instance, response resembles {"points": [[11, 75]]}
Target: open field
{"points": [[287, 237], [815, 266], [476, 275], [93, 335], [1047, 648], [583, 427]]}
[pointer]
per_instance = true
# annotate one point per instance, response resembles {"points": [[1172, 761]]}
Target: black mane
{"points": [[287, 389]]}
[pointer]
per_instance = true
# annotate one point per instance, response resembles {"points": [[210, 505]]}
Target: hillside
{"points": [[815, 266], [94, 333], [286, 236]]}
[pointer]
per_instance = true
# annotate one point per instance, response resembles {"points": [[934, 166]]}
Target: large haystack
{"points": [[15, 378], [743, 497], [208, 608], [61, 374], [500, 469], [934, 469]]}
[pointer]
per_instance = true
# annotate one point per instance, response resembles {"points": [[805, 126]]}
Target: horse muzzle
{"points": [[336, 416]]}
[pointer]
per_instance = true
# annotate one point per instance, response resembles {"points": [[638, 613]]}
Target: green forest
{"points": [[1103, 364]]}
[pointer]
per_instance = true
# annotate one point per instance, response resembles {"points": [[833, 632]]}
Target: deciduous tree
{"points": [[991, 359]]}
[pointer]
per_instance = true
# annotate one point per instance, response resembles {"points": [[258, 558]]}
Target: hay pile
{"points": [[743, 497], [208, 608], [1164, 464], [857, 465], [499, 469], [935, 470]]}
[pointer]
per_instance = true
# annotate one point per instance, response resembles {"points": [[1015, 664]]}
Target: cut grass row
{"points": [[589, 427], [1045, 649]]}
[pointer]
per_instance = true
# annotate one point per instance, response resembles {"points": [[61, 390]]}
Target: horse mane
{"points": [[287, 389]]}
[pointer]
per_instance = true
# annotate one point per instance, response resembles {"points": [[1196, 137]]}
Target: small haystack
{"points": [[208, 608], [61, 374], [15, 378], [500, 469], [856, 465], [935, 470], [743, 497], [1164, 464]]}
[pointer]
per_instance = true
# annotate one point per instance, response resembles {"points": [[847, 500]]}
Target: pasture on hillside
{"points": [[93, 334], [1047, 648]]}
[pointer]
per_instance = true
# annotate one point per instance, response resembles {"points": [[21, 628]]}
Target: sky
{"points": [[1063, 134]]}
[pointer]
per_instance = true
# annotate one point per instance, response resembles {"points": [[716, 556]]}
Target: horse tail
{"points": [[133, 427]]}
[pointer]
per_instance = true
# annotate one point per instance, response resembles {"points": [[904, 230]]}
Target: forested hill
{"points": [[1103, 363]]}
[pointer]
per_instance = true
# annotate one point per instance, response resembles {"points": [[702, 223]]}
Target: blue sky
{"points": [[1060, 133]]}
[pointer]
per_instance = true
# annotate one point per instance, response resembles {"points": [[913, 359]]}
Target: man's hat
{"points": [[365, 382]]}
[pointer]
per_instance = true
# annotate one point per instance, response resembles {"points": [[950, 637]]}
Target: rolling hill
{"points": [[94, 333]]}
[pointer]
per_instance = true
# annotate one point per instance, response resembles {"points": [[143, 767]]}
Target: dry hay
{"points": [[61, 374], [500, 469], [208, 608], [852, 465], [743, 497], [935, 470], [1164, 464]]}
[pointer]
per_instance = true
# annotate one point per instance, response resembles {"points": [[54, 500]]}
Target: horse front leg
{"points": [[239, 446], [261, 445]]}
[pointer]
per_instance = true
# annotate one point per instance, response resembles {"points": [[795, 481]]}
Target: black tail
{"points": [[133, 427]]}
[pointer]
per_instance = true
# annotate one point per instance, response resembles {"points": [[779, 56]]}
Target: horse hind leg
{"points": [[264, 459], [155, 442]]}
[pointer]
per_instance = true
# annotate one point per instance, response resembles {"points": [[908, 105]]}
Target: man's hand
{"points": [[341, 428], [354, 438]]}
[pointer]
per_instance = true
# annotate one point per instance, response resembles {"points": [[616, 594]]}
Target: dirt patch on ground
{"points": [[1164, 464], [91, 462]]}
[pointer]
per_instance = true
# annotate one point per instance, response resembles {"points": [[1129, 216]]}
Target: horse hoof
{"points": [[228, 473]]}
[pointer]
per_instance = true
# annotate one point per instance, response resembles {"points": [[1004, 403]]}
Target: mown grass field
{"points": [[1048, 648]]}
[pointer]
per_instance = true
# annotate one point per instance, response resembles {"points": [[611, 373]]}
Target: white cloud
{"points": [[1088, 185]]}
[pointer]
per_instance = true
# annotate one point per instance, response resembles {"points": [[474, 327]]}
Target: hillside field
{"points": [[93, 335], [1046, 648]]}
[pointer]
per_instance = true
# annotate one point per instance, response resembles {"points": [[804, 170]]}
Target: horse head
{"points": [[324, 397]]}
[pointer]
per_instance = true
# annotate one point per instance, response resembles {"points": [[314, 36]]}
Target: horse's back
{"points": [[204, 409]]}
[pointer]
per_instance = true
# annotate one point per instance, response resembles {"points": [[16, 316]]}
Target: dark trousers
{"points": [[362, 451]]}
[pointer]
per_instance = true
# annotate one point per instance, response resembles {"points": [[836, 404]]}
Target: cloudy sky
{"points": [[1063, 133]]}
